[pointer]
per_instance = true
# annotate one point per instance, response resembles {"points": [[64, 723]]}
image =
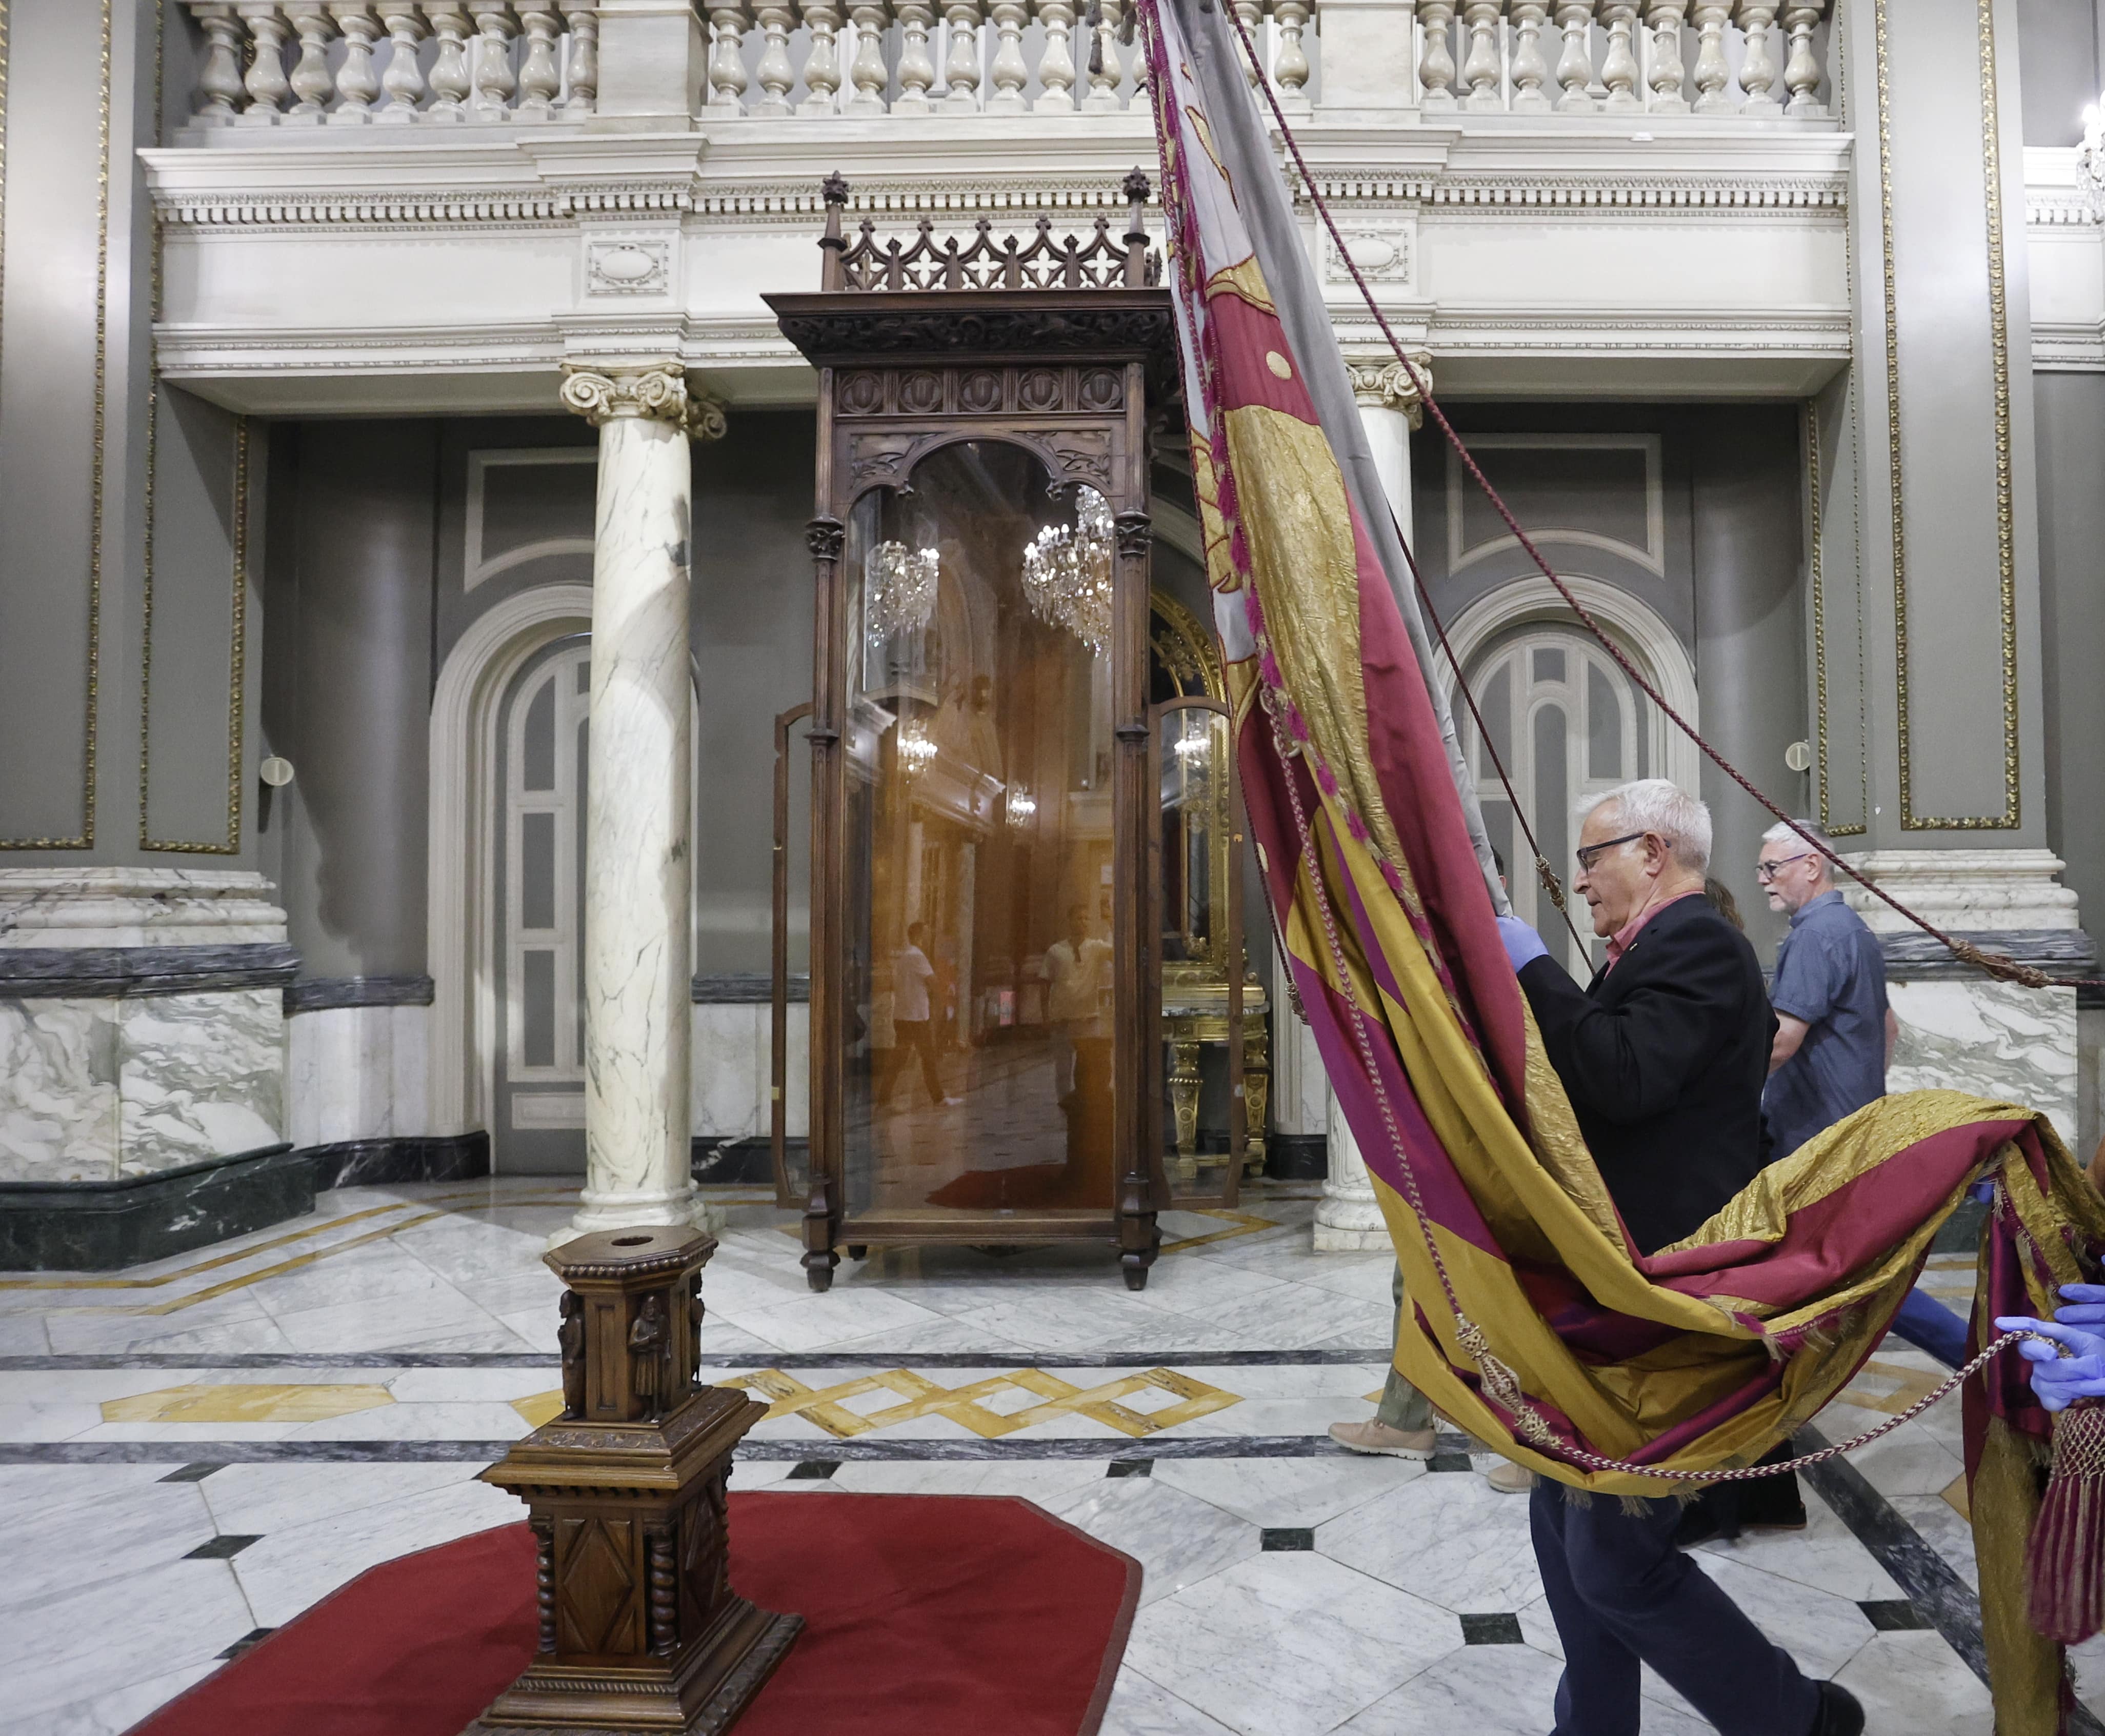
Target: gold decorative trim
{"points": [[1191, 639], [1827, 824], [2005, 517], [237, 648], [86, 840]]}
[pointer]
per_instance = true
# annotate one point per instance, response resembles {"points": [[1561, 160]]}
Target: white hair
{"points": [[1655, 804], [1794, 833]]}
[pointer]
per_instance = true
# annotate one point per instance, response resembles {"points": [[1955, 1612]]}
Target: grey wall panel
{"points": [[2058, 41], [1747, 484], [196, 625], [1834, 612], [2070, 420], [363, 495], [55, 340]]}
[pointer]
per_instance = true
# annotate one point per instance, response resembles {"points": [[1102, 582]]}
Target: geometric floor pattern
{"points": [[193, 1453]]}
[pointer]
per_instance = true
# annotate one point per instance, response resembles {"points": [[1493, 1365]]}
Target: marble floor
{"points": [[213, 1443]]}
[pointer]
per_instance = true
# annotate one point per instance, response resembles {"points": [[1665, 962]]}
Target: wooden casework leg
{"points": [[822, 1228]]}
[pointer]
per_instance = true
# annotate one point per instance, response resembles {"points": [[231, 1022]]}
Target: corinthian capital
{"points": [[1378, 385], [657, 389]]}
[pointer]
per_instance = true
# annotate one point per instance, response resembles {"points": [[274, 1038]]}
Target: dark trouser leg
{"points": [[924, 1039], [1620, 1591]]}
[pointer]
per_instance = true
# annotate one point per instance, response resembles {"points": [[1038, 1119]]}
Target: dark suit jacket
{"points": [[1664, 1057]]}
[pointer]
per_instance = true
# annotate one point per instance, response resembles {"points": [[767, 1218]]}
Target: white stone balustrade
{"points": [[355, 63], [312, 62], [1754, 58]]}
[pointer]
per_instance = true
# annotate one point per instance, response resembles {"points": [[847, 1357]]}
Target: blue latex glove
{"points": [[2057, 1381], [1523, 942]]}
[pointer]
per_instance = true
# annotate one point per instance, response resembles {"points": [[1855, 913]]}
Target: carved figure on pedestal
{"points": [[647, 1351], [571, 1340]]}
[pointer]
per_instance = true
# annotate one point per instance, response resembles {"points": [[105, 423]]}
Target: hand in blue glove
{"points": [[1523, 942], [2057, 1381]]}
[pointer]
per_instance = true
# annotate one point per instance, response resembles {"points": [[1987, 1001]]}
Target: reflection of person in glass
{"points": [[911, 976], [1078, 974]]}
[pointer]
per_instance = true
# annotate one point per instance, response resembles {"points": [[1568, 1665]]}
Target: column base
{"points": [[1348, 1223], [678, 1209]]}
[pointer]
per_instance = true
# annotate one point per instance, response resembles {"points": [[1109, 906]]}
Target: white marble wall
{"points": [[1993, 1039], [93, 1089], [137, 907], [357, 1073], [730, 1071]]}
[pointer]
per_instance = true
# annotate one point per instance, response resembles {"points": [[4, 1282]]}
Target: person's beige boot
{"points": [[1377, 1436], [1509, 1478]]}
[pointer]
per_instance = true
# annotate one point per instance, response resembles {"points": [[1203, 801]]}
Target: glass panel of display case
{"points": [[1202, 1031], [978, 994]]}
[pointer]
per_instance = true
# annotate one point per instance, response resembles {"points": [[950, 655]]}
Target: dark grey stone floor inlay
{"points": [[1130, 1468], [224, 1546], [812, 1470], [1286, 1536], [192, 1474], [245, 1641], [1500, 1628], [1006, 1356], [1449, 1461], [1892, 1616]]}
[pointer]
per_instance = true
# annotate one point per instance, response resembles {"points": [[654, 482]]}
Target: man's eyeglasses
{"points": [[1593, 853], [1768, 870]]}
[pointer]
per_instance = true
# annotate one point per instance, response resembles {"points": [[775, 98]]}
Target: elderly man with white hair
{"points": [[1663, 1055]]}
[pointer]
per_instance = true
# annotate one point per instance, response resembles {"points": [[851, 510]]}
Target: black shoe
{"points": [[1710, 1516], [1841, 1713], [1771, 1504]]}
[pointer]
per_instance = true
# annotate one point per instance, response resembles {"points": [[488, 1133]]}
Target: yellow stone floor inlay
{"points": [[540, 1408], [973, 1406], [245, 1404]]}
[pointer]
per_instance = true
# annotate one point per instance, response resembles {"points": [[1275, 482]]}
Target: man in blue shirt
{"points": [[1835, 1030]]}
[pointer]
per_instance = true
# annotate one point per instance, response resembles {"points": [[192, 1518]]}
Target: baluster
{"points": [[539, 82], [265, 80], [219, 79], [1010, 74], [1619, 65], [1574, 64], [727, 79], [1713, 77], [916, 67], [311, 82], [583, 18], [1801, 73], [1251, 14], [451, 86], [495, 83], [1436, 64], [961, 65], [356, 81], [1290, 69], [403, 81], [774, 72], [1480, 68], [1529, 69], [1757, 72], [822, 66], [1103, 97], [1665, 20], [1056, 66], [866, 69]]}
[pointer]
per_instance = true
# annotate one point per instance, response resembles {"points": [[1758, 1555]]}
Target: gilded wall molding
{"points": [[2005, 514], [85, 838], [237, 649]]}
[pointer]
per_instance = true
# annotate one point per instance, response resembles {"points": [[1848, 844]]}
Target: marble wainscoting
{"points": [[357, 1066], [141, 1052], [1996, 1040], [732, 1074]]}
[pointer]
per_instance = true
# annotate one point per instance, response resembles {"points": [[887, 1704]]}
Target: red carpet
{"points": [[925, 1615]]}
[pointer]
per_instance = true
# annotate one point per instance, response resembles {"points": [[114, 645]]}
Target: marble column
{"points": [[638, 852], [1347, 1220]]}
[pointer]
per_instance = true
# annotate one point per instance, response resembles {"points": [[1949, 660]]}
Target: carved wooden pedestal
{"points": [[639, 1629]]}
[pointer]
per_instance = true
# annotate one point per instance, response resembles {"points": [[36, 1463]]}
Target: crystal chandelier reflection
{"points": [[1022, 808], [899, 586], [916, 751], [1067, 573]]}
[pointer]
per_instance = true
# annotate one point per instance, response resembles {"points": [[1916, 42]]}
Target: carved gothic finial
{"points": [[834, 188], [1137, 187]]}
